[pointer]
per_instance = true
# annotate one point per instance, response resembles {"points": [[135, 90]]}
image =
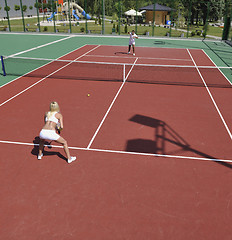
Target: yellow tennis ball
{"points": [[88, 94]]}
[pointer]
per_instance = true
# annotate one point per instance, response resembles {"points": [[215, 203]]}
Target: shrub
{"points": [[192, 33], [82, 29], [30, 7], [45, 29]]}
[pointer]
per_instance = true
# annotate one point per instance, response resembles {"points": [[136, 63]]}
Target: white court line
{"points": [[211, 96], [44, 45], [175, 59], [106, 114], [123, 152], [217, 66], [131, 68], [40, 67], [45, 77]]}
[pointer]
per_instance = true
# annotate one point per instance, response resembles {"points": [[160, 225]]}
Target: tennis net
{"points": [[184, 75]]}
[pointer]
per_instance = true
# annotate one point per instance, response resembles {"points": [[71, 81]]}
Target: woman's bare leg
{"points": [[65, 145], [41, 146]]}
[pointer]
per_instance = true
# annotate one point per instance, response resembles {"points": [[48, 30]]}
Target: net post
{"points": [[124, 72], [3, 66]]}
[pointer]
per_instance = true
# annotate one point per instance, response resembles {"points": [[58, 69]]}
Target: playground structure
{"points": [[63, 8]]}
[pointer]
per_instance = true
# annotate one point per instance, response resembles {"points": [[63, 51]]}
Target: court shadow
{"points": [[35, 150], [121, 53], [161, 131], [163, 135]]}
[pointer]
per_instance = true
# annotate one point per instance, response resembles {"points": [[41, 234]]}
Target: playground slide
{"points": [[76, 10], [74, 14], [51, 17]]}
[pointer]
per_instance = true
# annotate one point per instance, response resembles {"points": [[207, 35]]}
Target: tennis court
{"points": [[152, 140]]}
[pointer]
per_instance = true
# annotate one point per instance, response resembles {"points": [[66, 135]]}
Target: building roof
{"points": [[158, 7]]}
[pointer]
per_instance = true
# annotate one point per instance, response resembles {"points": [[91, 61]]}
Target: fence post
{"points": [[21, 6], [206, 21], [170, 32], [8, 18], [37, 8], [103, 16], [227, 21], [69, 16], [86, 25], [189, 15], [153, 20], [54, 19], [136, 17], [119, 17]]}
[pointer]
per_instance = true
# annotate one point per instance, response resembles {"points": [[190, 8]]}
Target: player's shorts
{"points": [[131, 42], [47, 134]]}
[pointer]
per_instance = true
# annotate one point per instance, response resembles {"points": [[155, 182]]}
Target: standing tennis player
{"points": [[53, 120], [132, 41]]}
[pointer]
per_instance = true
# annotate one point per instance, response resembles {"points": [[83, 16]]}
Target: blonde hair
{"points": [[54, 107]]}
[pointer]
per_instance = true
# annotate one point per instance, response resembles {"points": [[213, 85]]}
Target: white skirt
{"points": [[47, 134]]}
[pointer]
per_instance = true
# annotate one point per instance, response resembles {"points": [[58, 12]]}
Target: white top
{"points": [[132, 38], [52, 118]]}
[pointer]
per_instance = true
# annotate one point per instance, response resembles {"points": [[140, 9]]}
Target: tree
{"points": [[7, 9], [38, 5], [16, 7], [24, 8]]}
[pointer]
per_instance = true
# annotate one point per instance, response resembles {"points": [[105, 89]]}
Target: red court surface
{"points": [[154, 159]]}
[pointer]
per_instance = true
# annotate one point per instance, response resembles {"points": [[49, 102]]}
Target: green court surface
{"points": [[54, 46]]}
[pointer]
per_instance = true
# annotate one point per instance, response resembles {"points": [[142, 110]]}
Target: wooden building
{"points": [[162, 14]]}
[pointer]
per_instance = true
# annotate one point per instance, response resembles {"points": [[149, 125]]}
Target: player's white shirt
{"points": [[132, 39]]}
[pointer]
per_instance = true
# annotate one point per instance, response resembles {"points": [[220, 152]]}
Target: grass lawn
{"points": [[31, 25]]}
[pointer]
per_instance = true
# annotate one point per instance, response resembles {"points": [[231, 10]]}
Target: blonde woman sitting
{"points": [[53, 120]]}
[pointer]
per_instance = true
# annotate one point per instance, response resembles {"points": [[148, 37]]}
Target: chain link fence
{"points": [[180, 19]]}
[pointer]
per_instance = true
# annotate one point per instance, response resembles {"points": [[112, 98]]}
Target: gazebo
{"points": [[162, 13]]}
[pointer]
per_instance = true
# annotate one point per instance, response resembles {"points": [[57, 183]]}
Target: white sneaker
{"points": [[133, 54], [40, 157], [128, 53], [71, 159]]}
